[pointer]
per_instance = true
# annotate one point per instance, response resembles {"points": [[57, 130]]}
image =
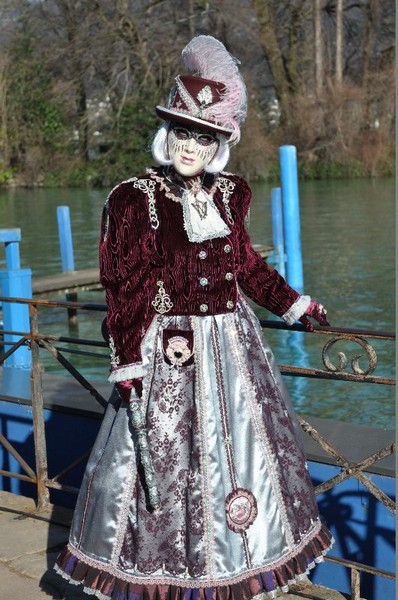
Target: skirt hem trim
{"points": [[105, 581]]}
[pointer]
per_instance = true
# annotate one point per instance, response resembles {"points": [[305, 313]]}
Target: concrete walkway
{"points": [[29, 547]]}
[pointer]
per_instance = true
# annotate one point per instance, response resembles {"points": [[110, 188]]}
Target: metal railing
{"points": [[348, 468], [36, 341], [358, 375]]}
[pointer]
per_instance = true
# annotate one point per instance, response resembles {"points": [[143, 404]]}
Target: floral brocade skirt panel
{"points": [[237, 515]]}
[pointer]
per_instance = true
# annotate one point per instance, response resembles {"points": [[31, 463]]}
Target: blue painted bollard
{"points": [[291, 217], [15, 283], [277, 230], [65, 238], [67, 258]]}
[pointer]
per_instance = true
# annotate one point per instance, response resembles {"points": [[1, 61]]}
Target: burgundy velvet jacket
{"points": [[144, 245]]}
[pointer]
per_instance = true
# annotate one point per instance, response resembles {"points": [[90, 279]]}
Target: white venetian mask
{"points": [[190, 149]]}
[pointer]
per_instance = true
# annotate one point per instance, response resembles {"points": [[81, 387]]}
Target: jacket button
{"points": [[203, 281], [227, 248], [229, 276], [202, 254], [203, 308], [230, 304]]}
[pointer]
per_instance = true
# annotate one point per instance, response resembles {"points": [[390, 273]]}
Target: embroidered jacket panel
{"points": [[138, 261]]}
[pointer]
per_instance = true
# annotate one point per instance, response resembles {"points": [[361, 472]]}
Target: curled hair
{"points": [[159, 145], [160, 154]]}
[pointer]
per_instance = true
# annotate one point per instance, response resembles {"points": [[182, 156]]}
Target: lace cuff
{"points": [[297, 309], [125, 372]]}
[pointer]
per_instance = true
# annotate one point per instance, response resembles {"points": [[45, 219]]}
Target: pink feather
{"points": [[207, 57]]}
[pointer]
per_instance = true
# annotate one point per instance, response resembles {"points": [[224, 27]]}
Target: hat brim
{"points": [[173, 115]]}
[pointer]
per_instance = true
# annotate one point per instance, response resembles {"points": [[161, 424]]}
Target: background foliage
{"points": [[79, 81]]}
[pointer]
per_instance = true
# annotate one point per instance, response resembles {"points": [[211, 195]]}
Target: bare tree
{"points": [[339, 42], [124, 54], [318, 45], [4, 140], [127, 25], [73, 19], [267, 25]]}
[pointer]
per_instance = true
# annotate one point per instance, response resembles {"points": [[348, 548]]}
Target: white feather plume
{"points": [[207, 57]]}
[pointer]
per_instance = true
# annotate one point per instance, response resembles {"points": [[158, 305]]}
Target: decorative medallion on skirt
{"points": [[241, 509], [178, 347]]}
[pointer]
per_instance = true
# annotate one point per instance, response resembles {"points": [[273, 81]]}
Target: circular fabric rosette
{"points": [[178, 351], [241, 509]]}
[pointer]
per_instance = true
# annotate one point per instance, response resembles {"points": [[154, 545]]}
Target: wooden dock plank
{"points": [[68, 281], [60, 392]]}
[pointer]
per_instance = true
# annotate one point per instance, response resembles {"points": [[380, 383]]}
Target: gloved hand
{"points": [[124, 388], [317, 312]]}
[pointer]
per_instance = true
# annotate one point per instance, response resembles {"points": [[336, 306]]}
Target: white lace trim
{"points": [[127, 372], [204, 228], [222, 183], [262, 596], [115, 360], [297, 309], [181, 580]]}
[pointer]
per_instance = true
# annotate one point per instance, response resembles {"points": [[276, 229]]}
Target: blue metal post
{"points": [[291, 217], [277, 230], [15, 283], [11, 238], [65, 238], [68, 263]]}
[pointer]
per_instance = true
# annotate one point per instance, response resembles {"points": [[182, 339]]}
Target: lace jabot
{"points": [[202, 218]]}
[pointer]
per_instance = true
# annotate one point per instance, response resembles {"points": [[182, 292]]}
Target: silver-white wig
{"points": [[160, 151]]}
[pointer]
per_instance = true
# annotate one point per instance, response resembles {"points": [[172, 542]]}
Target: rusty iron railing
{"points": [[331, 371], [36, 341], [348, 468]]}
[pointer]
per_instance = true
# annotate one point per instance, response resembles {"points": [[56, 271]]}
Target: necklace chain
{"points": [[169, 176], [196, 183]]}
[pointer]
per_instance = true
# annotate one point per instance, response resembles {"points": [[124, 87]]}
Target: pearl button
{"points": [[230, 304], [203, 281], [204, 308], [229, 276], [227, 248], [202, 254]]}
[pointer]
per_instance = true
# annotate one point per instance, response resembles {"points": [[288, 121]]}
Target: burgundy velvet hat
{"points": [[213, 95], [190, 103]]}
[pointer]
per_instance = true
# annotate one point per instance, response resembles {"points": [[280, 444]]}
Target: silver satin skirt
{"points": [[237, 515]]}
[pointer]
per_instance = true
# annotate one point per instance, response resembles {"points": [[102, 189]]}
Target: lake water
{"points": [[348, 247]]}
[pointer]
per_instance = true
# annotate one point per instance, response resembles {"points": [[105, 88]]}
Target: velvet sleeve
{"points": [[258, 280], [127, 268]]}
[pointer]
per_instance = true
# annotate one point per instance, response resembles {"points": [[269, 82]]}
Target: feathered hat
{"points": [[213, 95]]}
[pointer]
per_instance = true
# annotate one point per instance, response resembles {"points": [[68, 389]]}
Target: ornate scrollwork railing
{"points": [[343, 360], [338, 371], [347, 468], [332, 371]]}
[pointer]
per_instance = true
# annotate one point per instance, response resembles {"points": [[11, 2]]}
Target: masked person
{"points": [[197, 486]]}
